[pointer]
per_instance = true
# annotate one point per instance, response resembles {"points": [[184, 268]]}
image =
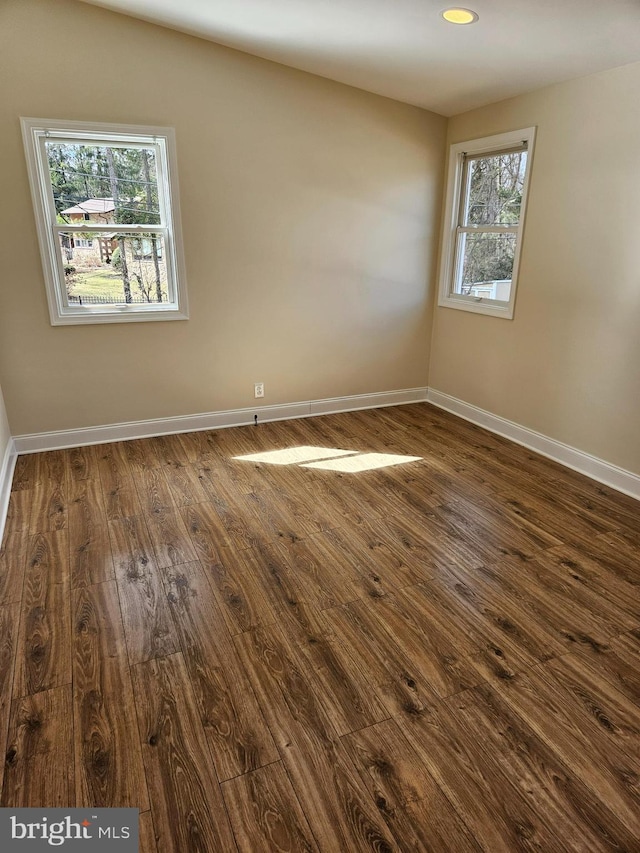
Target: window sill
{"points": [[119, 315], [473, 306]]}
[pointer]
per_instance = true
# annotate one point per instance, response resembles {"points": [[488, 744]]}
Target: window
{"points": [[484, 218], [106, 205]]}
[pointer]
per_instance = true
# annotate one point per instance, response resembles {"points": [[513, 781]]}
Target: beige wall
{"points": [[310, 213], [568, 365]]}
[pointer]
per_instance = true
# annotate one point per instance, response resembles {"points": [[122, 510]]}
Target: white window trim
{"points": [[489, 144], [33, 131]]}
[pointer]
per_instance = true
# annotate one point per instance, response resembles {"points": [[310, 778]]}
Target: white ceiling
{"points": [[403, 48]]}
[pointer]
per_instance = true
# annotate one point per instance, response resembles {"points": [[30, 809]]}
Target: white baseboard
{"points": [[37, 442], [597, 469], [7, 465]]}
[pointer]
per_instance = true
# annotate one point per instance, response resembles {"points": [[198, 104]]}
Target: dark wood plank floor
{"points": [[442, 655]]}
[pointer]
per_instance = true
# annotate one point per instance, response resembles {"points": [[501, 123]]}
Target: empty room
{"points": [[319, 426]]}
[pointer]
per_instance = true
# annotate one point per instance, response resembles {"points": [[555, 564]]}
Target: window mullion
{"points": [[109, 227]]}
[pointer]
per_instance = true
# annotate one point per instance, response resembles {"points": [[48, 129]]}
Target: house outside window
{"points": [[484, 217], [143, 249], [107, 211]]}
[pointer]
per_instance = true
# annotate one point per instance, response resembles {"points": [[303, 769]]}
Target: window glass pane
{"points": [[486, 265], [495, 189], [104, 185], [114, 269]]}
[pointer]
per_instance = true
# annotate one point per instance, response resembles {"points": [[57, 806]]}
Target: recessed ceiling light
{"points": [[460, 16]]}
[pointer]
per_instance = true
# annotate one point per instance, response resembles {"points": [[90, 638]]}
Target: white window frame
{"points": [[452, 227], [35, 133]]}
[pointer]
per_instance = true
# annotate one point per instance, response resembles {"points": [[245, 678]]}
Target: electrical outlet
{"points": [[258, 389]]}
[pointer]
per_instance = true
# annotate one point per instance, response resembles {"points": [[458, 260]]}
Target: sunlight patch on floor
{"points": [[294, 455], [362, 462]]}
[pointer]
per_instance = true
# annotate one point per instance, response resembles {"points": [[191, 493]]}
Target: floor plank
{"points": [[147, 833], [607, 709], [18, 512], [148, 625], [381, 658], [584, 748], [140, 455], [43, 656], [90, 555], [265, 813], [82, 463], [153, 490], [239, 738], [26, 474], [108, 761], [170, 538], [120, 495], [206, 531], [49, 508], [435, 657], [316, 578], [9, 621], [408, 798], [13, 556], [345, 690], [511, 615], [186, 801], [169, 450], [184, 484], [340, 812], [611, 575], [239, 594], [497, 815], [578, 817], [619, 663], [39, 760]]}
